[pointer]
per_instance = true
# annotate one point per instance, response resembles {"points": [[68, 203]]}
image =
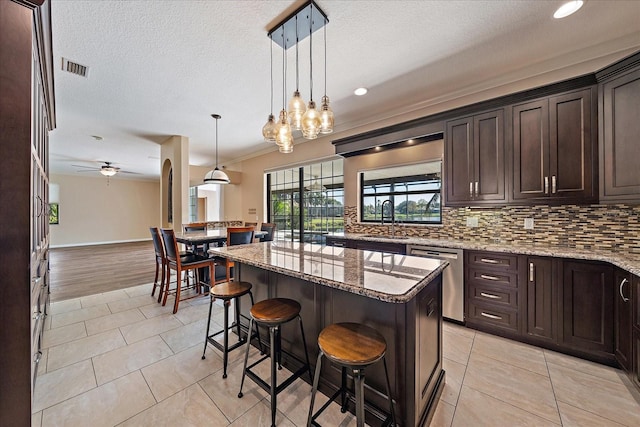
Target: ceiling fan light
{"points": [[297, 109], [216, 176], [326, 116], [108, 171], [311, 122], [568, 8], [269, 130]]}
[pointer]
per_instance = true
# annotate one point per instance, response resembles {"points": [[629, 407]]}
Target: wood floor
{"points": [[88, 270]]}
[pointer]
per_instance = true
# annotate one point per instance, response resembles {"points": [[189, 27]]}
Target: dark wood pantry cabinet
{"points": [[475, 170], [542, 299], [554, 149], [26, 116]]}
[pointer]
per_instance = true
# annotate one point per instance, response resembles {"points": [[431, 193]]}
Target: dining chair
{"points": [[191, 261], [270, 228], [196, 226], [161, 261], [250, 224], [235, 236]]}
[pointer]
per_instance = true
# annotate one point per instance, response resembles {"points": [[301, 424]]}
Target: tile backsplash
{"points": [[611, 227]]}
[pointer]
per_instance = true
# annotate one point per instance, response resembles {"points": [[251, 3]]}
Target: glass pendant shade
{"points": [[283, 134], [286, 149], [216, 176], [269, 130], [311, 122], [326, 116], [297, 108]]}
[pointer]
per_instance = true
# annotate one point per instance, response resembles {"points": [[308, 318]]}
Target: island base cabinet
{"points": [[635, 372], [412, 330]]}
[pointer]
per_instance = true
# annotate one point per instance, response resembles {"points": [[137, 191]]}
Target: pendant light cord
{"points": [[297, 76], [325, 58], [271, 71], [216, 143], [311, 54], [284, 77]]}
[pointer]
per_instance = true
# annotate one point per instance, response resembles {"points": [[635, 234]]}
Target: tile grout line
{"points": [[553, 389]]}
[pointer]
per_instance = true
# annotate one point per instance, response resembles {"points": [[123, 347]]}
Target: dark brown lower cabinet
{"points": [[542, 297], [635, 347], [623, 319], [635, 372], [586, 298]]}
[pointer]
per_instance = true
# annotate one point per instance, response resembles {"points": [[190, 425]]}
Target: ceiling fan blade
{"points": [[129, 172], [87, 167], [89, 170]]}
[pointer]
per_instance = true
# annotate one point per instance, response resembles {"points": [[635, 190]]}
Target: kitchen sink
{"points": [[386, 236]]}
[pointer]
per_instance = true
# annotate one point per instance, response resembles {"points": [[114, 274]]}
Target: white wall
{"points": [[95, 210]]}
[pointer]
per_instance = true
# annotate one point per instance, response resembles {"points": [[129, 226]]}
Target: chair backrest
{"points": [[239, 235], [270, 228], [250, 224], [195, 226], [157, 241], [170, 244]]}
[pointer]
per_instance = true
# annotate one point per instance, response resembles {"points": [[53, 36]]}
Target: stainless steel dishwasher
{"points": [[452, 278]]}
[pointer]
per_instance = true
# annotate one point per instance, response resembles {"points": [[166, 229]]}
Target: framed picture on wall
{"points": [[54, 213]]}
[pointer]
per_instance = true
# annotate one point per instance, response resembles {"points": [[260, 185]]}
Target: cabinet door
{"points": [[459, 161], [531, 150], [623, 318], [541, 299], [620, 132], [488, 166], [571, 139], [587, 306]]}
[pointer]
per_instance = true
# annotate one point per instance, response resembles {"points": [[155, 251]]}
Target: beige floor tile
{"points": [[59, 307], [67, 318], [443, 416], [458, 330], [42, 366], [512, 352], [576, 417], [174, 373], [103, 298], [133, 302], [192, 313], [63, 384], [154, 310], [104, 406], [145, 289], [608, 399], [586, 366], [149, 327], [47, 322], [84, 348], [121, 361], [36, 419], [456, 347], [478, 409], [63, 334], [260, 416], [505, 382], [113, 321], [224, 392], [453, 381], [187, 336], [190, 407]]}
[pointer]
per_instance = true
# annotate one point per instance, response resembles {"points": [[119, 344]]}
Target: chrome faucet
{"points": [[393, 216]]}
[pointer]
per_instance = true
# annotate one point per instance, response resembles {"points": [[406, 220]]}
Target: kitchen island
{"points": [[400, 296]]}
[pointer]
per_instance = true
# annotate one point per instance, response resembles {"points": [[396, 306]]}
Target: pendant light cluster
{"points": [[306, 118]]}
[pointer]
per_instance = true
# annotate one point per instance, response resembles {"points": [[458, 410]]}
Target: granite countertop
{"points": [[627, 261], [383, 276]]}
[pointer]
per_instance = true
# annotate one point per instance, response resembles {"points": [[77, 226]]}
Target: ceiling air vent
{"points": [[74, 68]]}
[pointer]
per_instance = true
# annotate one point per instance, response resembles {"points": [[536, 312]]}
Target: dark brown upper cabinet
{"points": [[620, 136], [474, 160], [554, 149]]}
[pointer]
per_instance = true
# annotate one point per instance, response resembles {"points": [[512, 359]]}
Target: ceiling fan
{"points": [[107, 169]]}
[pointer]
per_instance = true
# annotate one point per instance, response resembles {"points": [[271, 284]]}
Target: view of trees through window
{"points": [[413, 192], [307, 202]]}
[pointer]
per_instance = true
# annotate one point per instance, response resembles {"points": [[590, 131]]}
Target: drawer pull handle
{"points": [[489, 261], [492, 296], [553, 184], [546, 185], [624, 299], [531, 272], [486, 276], [491, 316], [476, 186], [471, 189]]}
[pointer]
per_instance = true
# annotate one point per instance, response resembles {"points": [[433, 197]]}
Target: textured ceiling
{"points": [[161, 68]]}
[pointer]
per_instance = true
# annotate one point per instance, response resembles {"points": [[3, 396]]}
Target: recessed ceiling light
{"points": [[568, 8], [361, 91]]}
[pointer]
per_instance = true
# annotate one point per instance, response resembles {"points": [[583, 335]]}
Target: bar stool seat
{"points": [[273, 313], [228, 291], [355, 346]]}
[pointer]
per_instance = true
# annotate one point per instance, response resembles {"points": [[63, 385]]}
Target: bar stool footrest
{"points": [[267, 387]]}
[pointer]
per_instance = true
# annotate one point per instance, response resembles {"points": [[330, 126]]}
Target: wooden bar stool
{"points": [[273, 313], [355, 346], [226, 292]]}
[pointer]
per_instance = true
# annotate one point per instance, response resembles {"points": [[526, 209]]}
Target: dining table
{"points": [[212, 237]]}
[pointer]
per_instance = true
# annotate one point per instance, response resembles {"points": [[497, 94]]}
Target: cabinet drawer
{"points": [[476, 276], [495, 316], [493, 260], [502, 297]]}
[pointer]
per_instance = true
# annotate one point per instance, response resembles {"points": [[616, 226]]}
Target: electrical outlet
{"points": [[528, 223], [472, 221]]}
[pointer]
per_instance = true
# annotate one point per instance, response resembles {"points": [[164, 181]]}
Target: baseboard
{"points": [[74, 245]]}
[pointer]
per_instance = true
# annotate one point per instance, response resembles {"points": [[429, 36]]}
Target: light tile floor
{"points": [[121, 359]]}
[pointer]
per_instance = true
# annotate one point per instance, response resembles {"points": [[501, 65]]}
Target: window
{"points": [[413, 192], [307, 202]]}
